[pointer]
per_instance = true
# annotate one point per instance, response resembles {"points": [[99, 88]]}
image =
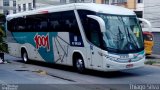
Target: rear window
{"points": [[148, 37]]}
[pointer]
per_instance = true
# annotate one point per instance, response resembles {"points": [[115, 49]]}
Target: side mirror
{"points": [[147, 22], [100, 21]]}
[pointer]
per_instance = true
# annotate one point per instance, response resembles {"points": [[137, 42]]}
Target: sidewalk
{"points": [[153, 59], [153, 56]]}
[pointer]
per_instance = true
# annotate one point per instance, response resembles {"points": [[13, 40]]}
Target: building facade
{"points": [[15, 6], [136, 5], [24, 5], [7, 6], [152, 13]]}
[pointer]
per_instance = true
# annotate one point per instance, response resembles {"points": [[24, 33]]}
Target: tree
{"points": [[3, 45]]}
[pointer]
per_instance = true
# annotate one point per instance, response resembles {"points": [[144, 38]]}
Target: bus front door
{"points": [[96, 58]]}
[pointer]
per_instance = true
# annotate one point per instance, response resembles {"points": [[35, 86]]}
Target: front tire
{"points": [[25, 56], [80, 67]]}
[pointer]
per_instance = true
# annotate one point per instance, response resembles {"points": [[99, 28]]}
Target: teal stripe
{"points": [[28, 37]]}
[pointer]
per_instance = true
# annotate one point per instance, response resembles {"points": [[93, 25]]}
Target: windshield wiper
{"points": [[131, 39], [119, 33]]}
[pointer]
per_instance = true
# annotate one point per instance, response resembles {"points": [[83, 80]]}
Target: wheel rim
{"points": [[25, 58], [80, 64]]}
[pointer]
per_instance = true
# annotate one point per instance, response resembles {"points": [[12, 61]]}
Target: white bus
{"points": [[82, 35]]}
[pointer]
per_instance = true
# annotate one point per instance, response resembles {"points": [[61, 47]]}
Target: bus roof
{"points": [[102, 8]]}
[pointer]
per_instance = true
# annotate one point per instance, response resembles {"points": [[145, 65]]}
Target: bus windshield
{"points": [[123, 34]]}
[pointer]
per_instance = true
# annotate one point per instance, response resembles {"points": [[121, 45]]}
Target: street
{"points": [[48, 76], [103, 35]]}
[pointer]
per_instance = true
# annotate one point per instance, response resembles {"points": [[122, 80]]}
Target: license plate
{"points": [[124, 56], [129, 65]]}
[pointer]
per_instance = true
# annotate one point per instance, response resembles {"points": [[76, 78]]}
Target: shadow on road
{"points": [[113, 74], [150, 57]]}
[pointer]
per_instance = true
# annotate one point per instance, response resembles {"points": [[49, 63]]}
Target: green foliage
{"points": [[2, 18], [3, 45], [150, 62]]}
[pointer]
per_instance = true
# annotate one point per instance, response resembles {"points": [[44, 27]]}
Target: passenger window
{"points": [[94, 31]]}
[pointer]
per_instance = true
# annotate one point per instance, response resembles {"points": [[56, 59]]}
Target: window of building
{"points": [[121, 1], [62, 1], [6, 12], [94, 1], [29, 6], [14, 11], [118, 1], [106, 1], [5, 2], [19, 7], [24, 7], [113, 1], [140, 1], [14, 2]]}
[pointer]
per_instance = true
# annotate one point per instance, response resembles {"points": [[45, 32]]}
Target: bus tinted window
{"points": [[91, 27], [54, 22], [54, 19], [11, 25], [63, 22], [37, 23], [83, 17], [19, 24], [93, 32]]}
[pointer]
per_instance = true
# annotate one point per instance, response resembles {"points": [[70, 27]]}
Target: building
{"points": [[24, 5], [44, 3], [15, 6], [136, 5], [7, 6], [152, 13]]}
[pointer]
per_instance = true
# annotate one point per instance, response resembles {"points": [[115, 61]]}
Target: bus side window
{"points": [[54, 21], [43, 26], [74, 28], [30, 24], [70, 22], [54, 25], [94, 32], [20, 25], [83, 17], [11, 25]]}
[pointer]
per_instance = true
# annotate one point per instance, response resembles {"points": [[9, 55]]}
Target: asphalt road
{"points": [[42, 76]]}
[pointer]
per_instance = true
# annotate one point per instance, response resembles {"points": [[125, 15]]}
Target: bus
{"points": [[83, 35], [148, 36], [148, 42]]}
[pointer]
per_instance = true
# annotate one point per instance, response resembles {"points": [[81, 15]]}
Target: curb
{"points": [[153, 56]]}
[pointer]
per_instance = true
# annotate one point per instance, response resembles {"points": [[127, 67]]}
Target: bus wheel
{"points": [[80, 65], [25, 56]]}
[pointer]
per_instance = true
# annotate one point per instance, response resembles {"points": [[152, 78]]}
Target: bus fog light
{"points": [[107, 65]]}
